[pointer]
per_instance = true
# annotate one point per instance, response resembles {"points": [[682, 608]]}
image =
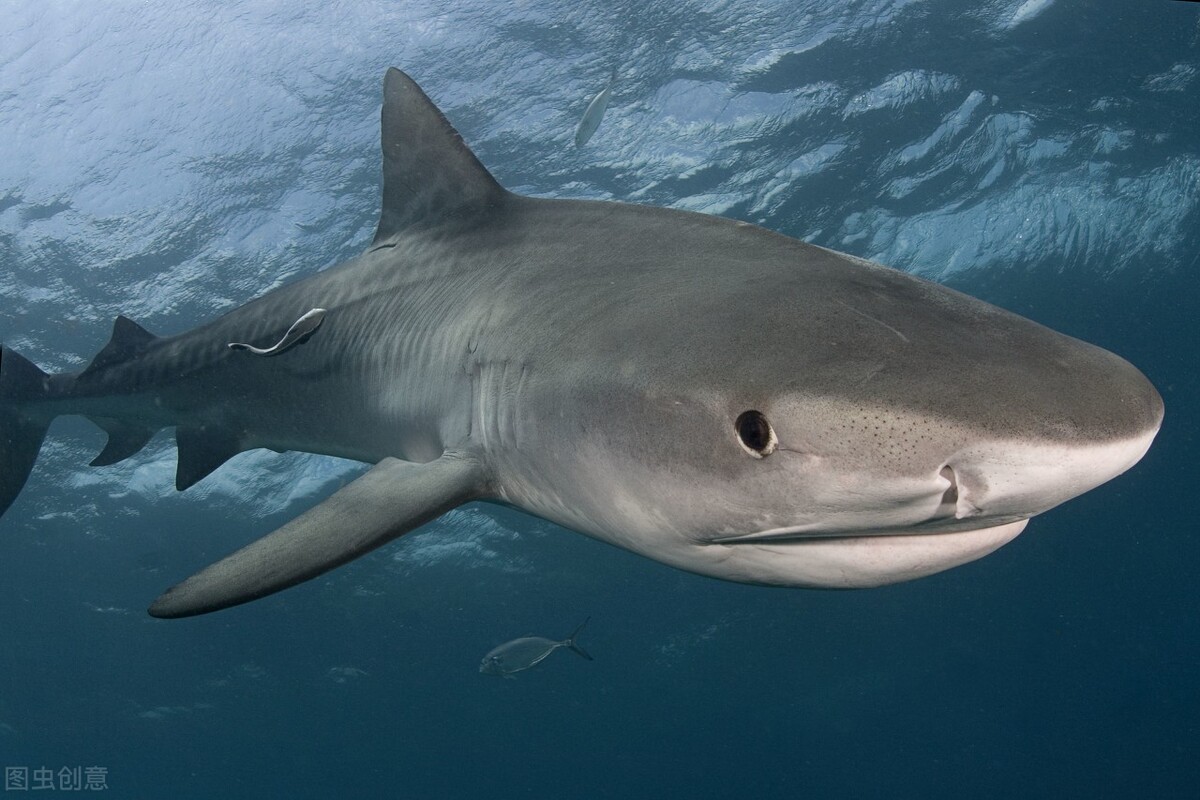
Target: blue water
{"points": [[171, 161]]}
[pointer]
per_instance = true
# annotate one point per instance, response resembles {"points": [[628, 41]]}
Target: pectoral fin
{"points": [[391, 499]]}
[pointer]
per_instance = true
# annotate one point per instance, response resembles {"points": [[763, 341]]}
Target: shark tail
{"points": [[21, 430], [574, 646], [30, 399]]}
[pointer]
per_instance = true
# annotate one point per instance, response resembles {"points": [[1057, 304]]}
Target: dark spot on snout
{"points": [[755, 434]]}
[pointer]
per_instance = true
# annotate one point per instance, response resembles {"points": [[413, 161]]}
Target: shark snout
{"points": [[1075, 418], [1024, 451], [1019, 477]]}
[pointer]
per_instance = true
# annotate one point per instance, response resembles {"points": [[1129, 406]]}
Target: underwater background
{"points": [[172, 161]]}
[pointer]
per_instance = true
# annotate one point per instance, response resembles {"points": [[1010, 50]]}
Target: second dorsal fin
{"points": [[430, 177], [128, 340]]}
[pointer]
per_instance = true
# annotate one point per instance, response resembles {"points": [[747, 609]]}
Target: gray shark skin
{"points": [[699, 390]]}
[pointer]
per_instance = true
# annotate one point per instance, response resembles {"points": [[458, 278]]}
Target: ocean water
{"points": [[172, 161]]}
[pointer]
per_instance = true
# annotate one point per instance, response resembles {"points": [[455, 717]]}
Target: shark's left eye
{"points": [[755, 434]]}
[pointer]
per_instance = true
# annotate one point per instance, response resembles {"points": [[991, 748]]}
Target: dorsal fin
{"points": [[128, 340], [430, 177]]}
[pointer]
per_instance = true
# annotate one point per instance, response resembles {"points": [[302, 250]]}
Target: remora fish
{"points": [[699, 390], [528, 651], [301, 329]]}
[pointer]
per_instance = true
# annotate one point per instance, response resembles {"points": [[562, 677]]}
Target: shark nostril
{"points": [[950, 496], [965, 489]]}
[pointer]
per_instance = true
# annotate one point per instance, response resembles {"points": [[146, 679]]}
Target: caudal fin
{"points": [[571, 643], [21, 433]]}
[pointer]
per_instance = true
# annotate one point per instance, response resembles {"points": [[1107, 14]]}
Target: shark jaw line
{"points": [[806, 533], [853, 561]]}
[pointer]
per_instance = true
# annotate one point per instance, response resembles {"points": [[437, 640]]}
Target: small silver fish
{"points": [[301, 329], [528, 651], [591, 118]]}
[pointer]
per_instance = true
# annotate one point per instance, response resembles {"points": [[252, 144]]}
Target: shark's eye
{"points": [[755, 434]]}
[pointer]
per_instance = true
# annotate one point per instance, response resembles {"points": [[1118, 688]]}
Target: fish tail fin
{"points": [[21, 429], [575, 648]]}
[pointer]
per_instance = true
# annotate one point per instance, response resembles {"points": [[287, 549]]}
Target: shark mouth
{"points": [[810, 531], [807, 533], [955, 514], [855, 560]]}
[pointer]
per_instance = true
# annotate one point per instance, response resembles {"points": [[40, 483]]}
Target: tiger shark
{"points": [[699, 390]]}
